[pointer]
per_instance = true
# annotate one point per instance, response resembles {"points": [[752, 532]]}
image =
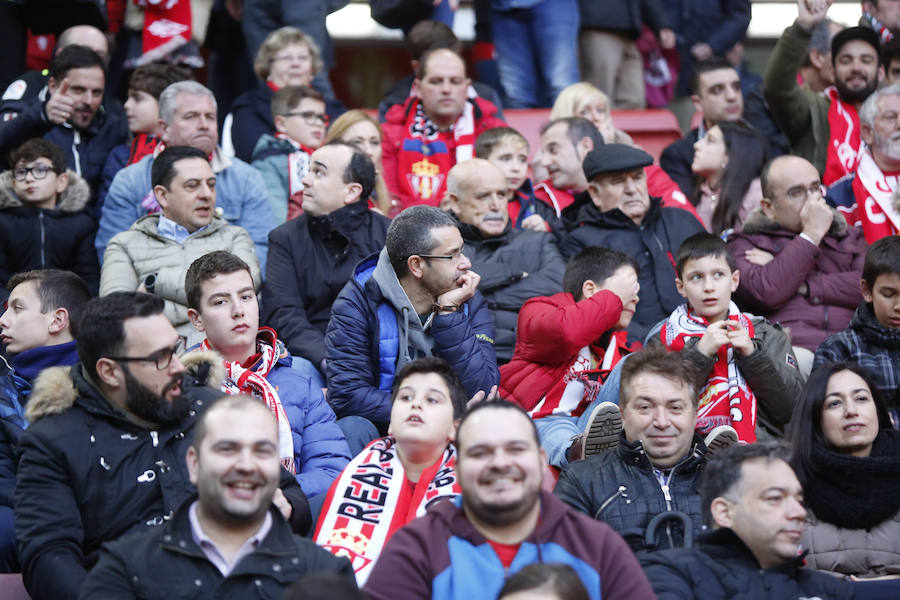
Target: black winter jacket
{"points": [[502, 261], [721, 567], [310, 261], [85, 151], [165, 563], [653, 244], [620, 488], [623, 16], [59, 238], [87, 475]]}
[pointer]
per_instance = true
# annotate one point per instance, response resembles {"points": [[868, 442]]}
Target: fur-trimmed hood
{"points": [[72, 199], [758, 222], [55, 389]]}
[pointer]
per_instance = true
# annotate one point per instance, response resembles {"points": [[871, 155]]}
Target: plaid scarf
{"points": [[725, 399], [249, 379]]}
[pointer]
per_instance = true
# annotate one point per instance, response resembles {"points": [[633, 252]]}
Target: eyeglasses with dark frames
{"points": [[39, 172], [309, 117], [162, 357], [454, 256]]}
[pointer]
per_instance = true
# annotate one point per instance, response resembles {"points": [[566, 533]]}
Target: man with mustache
{"points": [[868, 198], [104, 454], [823, 128], [514, 264], [153, 256], [466, 548], [69, 114]]}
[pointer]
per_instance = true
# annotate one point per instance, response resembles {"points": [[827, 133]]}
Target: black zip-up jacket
{"points": [[166, 563], [87, 475], [653, 244], [623, 16], [502, 261], [310, 261], [621, 489], [722, 567]]}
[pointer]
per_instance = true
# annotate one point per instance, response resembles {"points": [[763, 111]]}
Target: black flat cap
{"points": [[866, 34], [614, 158]]}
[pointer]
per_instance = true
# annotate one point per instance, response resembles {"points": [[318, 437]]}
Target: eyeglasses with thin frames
{"points": [[801, 193], [455, 256], [309, 117], [162, 357], [38, 171]]}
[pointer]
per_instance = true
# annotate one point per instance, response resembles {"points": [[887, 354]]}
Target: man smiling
{"points": [[152, 256], [514, 264], [228, 541], [503, 522]]}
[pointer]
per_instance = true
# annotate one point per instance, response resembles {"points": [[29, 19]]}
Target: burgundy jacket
{"points": [[831, 270]]}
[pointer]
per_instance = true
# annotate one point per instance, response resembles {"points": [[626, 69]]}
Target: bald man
{"points": [[514, 264]]}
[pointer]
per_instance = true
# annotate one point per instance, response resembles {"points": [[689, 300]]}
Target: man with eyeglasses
{"points": [[187, 115], [104, 454], [800, 262], [866, 199], [514, 264], [313, 256], [417, 297], [155, 253]]}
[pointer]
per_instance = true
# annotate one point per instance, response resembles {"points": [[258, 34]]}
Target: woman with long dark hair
{"points": [[847, 458], [727, 162]]}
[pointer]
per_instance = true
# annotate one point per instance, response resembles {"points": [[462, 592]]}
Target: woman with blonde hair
{"points": [[584, 100], [287, 57], [362, 130]]}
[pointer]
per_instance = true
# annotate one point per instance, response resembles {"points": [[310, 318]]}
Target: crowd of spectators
{"points": [[255, 344]]}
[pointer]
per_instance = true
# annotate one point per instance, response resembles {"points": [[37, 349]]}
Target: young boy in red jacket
{"points": [[566, 348]]}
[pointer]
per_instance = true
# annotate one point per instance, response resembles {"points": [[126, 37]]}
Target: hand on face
{"points": [[816, 217], [624, 284], [466, 286]]}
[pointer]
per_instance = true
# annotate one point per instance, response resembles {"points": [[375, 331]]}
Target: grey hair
{"points": [[168, 98], [821, 37], [869, 108]]}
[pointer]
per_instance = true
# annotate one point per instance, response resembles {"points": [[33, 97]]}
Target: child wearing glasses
{"points": [[43, 221], [283, 158]]}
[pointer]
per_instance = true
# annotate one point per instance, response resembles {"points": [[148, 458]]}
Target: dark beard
{"points": [[854, 96], [143, 403]]}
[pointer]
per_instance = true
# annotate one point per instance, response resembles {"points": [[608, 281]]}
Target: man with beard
{"points": [[868, 197], [227, 540], [69, 114], [104, 454], [823, 128], [417, 297], [514, 264], [503, 522]]}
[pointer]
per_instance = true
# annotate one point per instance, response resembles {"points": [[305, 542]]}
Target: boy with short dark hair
{"points": [[747, 373], [283, 159], [566, 347], [507, 149], [142, 109], [43, 221], [222, 304], [873, 337]]}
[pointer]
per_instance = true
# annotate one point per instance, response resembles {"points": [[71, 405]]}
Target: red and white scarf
{"points": [[843, 141], [582, 382], [167, 27], [725, 399], [249, 379], [421, 159], [876, 209], [370, 500]]}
